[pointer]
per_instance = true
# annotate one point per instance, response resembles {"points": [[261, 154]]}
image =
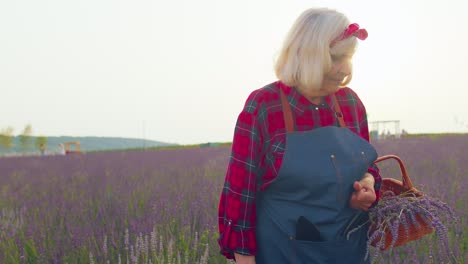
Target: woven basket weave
{"points": [[392, 187]]}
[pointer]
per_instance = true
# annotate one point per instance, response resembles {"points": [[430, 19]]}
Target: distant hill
{"points": [[87, 144]]}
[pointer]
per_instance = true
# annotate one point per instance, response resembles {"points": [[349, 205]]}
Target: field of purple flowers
{"points": [[160, 206]]}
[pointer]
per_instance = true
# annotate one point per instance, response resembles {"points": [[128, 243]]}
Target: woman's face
{"points": [[341, 68]]}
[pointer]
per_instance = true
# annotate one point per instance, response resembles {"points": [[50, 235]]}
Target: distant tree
{"points": [[6, 137], [41, 143], [25, 138]]}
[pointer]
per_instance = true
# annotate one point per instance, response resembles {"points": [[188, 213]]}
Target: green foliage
{"points": [[30, 251], [40, 141], [25, 138], [76, 256], [9, 251], [6, 137]]}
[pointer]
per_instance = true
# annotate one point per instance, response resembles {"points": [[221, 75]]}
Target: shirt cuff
{"points": [[241, 241]]}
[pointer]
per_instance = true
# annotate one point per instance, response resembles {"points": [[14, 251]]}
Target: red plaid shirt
{"points": [[260, 133]]}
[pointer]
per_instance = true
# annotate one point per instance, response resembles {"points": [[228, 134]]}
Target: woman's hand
{"points": [[364, 194], [243, 259]]}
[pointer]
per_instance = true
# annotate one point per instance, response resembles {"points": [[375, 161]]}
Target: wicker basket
{"points": [[398, 188]]}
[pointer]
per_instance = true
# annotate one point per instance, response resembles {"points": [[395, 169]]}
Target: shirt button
{"points": [[316, 108]]}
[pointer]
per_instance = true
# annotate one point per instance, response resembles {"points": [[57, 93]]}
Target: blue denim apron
{"points": [[315, 181]]}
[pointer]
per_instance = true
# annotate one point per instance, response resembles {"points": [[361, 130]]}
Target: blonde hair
{"points": [[306, 55]]}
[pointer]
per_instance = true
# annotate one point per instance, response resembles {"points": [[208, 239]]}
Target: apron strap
{"points": [[287, 113], [338, 112], [288, 120]]}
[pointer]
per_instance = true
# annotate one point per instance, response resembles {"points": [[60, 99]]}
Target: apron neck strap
{"points": [[338, 112], [288, 118]]}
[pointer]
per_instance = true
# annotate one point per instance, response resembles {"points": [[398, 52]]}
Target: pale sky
{"points": [[180, 71]]}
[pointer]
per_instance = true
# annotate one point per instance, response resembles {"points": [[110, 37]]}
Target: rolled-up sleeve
{"points": [[236, 214]]}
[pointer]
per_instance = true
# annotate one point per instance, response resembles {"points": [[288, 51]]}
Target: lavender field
{"points": [[160, 206]]}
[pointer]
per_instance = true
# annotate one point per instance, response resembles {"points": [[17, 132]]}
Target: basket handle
{"points": [[404, 174]]}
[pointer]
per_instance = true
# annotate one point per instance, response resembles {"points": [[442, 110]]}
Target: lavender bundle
{"points": [[396, 216]]}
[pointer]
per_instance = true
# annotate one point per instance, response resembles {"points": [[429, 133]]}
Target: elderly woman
{"points": [[301, 172]]}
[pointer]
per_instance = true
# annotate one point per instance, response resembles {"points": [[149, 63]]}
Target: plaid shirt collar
{"points": [[299, 103]]}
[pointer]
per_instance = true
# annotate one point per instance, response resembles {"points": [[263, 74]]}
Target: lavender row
{"points": [[64, 207], [96, 207]]}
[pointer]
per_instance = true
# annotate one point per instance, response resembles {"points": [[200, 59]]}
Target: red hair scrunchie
{"points": [[351, 30]]}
